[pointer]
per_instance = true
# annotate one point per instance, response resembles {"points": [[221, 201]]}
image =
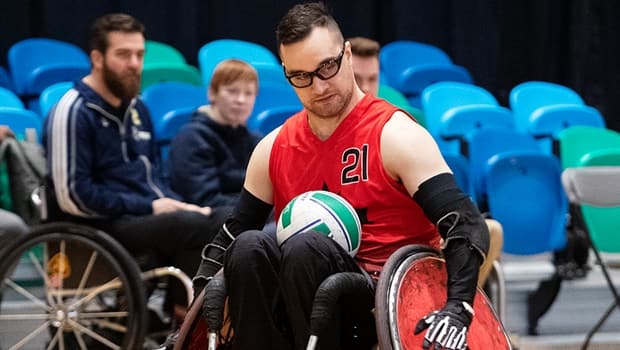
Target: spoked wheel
{"points": [[412, 284], [70, 287]]}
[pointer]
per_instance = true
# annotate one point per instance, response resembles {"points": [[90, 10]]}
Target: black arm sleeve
{"points": [[250, 213], [464, 231]]}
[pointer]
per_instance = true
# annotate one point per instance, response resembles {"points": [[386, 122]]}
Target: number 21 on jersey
{"points": [[355, 161]]}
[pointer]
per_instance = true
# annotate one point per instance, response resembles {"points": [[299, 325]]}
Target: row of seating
{"points": [[497, 155], [411, 66], [38, 62], [540, 109]]}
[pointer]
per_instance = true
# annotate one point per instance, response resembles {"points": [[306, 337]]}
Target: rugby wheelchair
{"points": [[66, 286], [412, 284]]}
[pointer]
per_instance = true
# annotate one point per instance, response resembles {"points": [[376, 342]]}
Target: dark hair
{"points": [[112, 22], [299, 21], [364, 47]]}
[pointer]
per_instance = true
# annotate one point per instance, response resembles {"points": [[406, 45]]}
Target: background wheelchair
{"points": [[412, 284], [66, 286]]}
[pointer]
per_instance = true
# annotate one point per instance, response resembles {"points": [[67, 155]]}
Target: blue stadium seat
{"points": [[525, 194], [168, 127], [484, 144], [162, 98], [455, 110], [527, 97], [271, 118], [51, 95], [271, 94], [460, 168], [213, 52], [20, 120], [9, 99], [39, 62], [269, 73], [438, 98], [544, 109], [5, 79], [411, 66]]}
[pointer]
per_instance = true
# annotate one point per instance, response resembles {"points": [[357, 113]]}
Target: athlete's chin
{"points": [[326, 109]]}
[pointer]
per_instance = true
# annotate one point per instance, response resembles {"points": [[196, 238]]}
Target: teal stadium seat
{"points": [[163, 62], [394, 97], [594, 186]]}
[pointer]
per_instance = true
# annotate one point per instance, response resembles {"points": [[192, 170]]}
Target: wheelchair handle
{"points": [[329, 292], [213, 307]]}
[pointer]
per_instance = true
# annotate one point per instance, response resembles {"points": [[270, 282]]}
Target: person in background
{"points": [[366, 64], [103, 162], [366, 71], [209, 155], [372, 154]]}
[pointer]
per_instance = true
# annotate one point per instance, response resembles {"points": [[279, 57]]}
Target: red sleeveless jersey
{"points": [[349, 164]]}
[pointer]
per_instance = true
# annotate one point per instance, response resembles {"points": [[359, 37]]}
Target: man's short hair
{"points": [[364, 47], [299, 21], [230, 71], [112, 22]]}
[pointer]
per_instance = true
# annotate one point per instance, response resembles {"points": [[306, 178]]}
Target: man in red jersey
{"points": [[372, 154]]}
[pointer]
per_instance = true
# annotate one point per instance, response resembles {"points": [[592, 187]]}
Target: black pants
{"points": [[175, 238], [271, 290]]}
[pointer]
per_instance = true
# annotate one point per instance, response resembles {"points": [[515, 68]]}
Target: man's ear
{"points": [[96, 57]]}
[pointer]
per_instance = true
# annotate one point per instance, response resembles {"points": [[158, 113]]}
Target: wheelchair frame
{"points": [[99, 304], [385, 299]]}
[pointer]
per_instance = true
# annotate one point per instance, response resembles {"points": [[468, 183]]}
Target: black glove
{"points": [[212, 258], [447, 328]]}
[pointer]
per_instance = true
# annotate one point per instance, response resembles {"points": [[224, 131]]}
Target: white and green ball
{"points": [[321, 211]]}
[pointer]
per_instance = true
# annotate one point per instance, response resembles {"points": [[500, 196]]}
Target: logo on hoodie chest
{"points": [[138, 135]]}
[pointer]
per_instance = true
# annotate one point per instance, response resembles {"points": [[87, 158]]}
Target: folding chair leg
{"points": [[616, 301], [598, 325]]}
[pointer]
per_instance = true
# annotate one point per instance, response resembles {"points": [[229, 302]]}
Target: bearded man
{"points": [[103, 161]]}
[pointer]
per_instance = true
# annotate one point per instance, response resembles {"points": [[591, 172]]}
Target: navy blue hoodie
{"points": [[102, 161], [207, 161]]}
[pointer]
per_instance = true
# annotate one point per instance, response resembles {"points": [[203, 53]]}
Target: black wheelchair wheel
{"points": [[387, 289], [66, 286]]}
